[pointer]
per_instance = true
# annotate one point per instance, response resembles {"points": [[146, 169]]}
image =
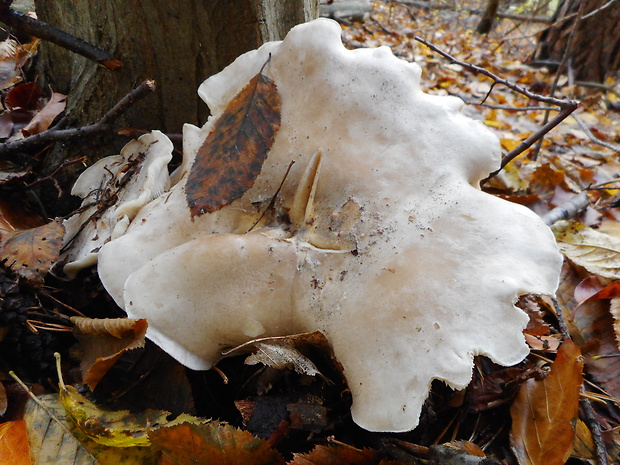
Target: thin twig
{"points": [[37, 28], [498, 80], [566, 106], [593, 138], [56, 135], [595, 429]]}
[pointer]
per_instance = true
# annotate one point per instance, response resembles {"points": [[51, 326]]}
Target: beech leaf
{"points": [[14, 449], [56, 440], [597, 252], [104, 341], [544, 412], [213, 443], [113, 428], [233, 154], [32, 253]]}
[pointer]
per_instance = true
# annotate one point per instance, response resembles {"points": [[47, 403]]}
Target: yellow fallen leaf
{"points": [[597, 252]]}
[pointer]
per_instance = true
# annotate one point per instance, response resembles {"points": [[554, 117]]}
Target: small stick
{"points": [[567, 210], [37, 28], [527, 143], [55, 135], [595, 429], [498, 80]]}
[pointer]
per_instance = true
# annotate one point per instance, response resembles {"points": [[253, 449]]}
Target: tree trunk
{"points": [[594, 51], [488, 18], [178, 44]]}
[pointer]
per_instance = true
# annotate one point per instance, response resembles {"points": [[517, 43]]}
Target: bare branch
{"points": [[56, 135], [37, 28], [593, 138]]}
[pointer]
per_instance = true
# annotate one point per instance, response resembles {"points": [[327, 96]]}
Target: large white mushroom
{"points": [[380, 236]]}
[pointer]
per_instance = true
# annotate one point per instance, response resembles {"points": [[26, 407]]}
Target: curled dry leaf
{"points": [[32, 253], [283, 351], [213, 443], [232, 156], [544, 412], [104, 341]]}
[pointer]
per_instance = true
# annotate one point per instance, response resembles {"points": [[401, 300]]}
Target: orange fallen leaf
{"points": [[14, 449], [104, 341], [544, 412], [233, 154], [31, 253], [212, 444]]}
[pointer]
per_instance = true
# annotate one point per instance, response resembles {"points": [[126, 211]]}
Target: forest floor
{"points": [[296, 413]]}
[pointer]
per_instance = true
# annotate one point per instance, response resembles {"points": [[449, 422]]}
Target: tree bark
{"points": [[594, 50], [488, 17]]}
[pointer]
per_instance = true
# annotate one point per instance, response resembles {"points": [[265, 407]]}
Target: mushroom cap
{"points": [[389, 247], [114, 189]]}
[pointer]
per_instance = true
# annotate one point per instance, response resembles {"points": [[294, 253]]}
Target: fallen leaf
{"points": [[213, 443], [591, 326], [44, 118], [14, 448], [114, 428], [282, 352], [50, 442], [544, 412], [32, 253], [24, 96], [597, 252], [233, 154], [56, 440], [104, 341]]}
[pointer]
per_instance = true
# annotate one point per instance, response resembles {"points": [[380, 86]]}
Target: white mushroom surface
{"points": [[380, 236], [114, 189]]}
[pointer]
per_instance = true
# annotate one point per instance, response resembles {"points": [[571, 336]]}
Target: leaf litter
{"points": [[569, 163]]}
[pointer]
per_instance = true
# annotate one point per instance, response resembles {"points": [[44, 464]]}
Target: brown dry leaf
{"points": [[233, 154], [212, 444], [32, 253], [336, 455], [591, 326], [14, 217], [104, 341], [14, 449], [544, 412], [25, 96], [43, 119]]}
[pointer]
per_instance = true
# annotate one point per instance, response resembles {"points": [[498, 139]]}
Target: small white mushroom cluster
{"points": [[379, 236]]}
